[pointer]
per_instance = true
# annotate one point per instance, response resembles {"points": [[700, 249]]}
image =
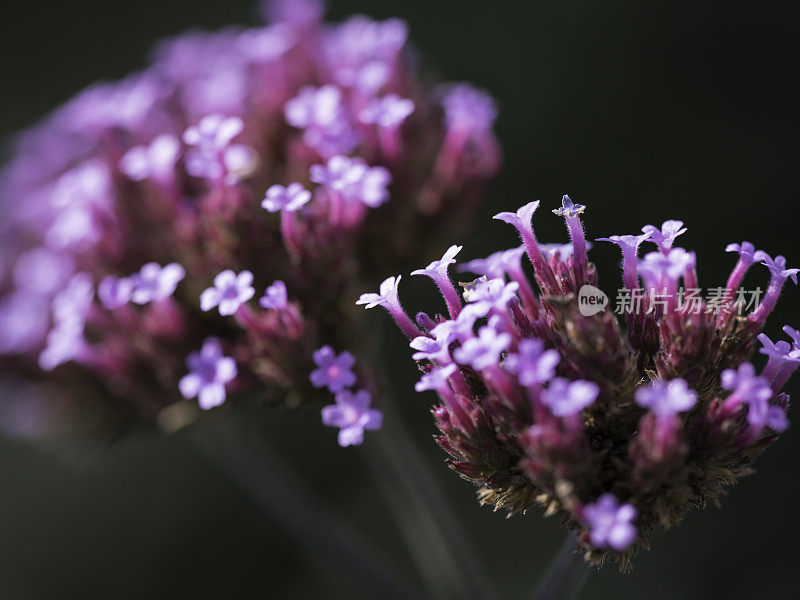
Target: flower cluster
{"points": [[141, 218], [618, 432]]}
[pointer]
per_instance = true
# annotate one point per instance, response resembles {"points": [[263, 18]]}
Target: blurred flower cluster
{"points": [[618, 432], [197, 229]]}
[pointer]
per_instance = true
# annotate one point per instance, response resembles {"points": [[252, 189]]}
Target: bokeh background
{"points": [[642, 110]]}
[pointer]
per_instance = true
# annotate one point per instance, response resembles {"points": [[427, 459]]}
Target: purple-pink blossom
{"points": [[209, 372], [565, 398], [229, 292], [352, 415], [275, 296], [611, 525], [333, 371], [666, 398], [154, 282], [291, 198]]}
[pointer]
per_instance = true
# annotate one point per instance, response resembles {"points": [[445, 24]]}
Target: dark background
{"points": [[642, 110]]}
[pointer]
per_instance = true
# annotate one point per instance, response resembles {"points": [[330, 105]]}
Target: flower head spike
{"points": [[666, 398], [566, 398], [665, 237], [209, 372], [333, 371], [291, 198], [184, 161], [546, 403], [610, 524], [229, 292], [352, 415], [275, 296], [154, 282]]}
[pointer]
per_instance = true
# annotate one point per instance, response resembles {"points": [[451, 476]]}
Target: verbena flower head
{"points": [[299, 155], [617, 431]]}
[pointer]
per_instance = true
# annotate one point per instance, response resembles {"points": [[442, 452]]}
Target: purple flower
{"points": [[214, 132], [354, 180], [794, 334], [761, 414], [560, 251], [334, 372], [154, 282], [522, 218], [498, 264], [780, 351], [568, 208], [352, 415], [756, 393], [566, 398], [290, 198], [275, 296], [389, 111], [747, 386], [466, 107], [436, 379], [115, 291], [610, 524], [230, 291], [320, 112], [533, 364], [430, 349], [212, 155], [665, 237], [209, 372], [438, 269], [629, 244], [483, 351], [666, 398], [156, 160], [660, 268], [777, 267], [745, 250], [387, 295], [492, 294], [314, 107]]}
